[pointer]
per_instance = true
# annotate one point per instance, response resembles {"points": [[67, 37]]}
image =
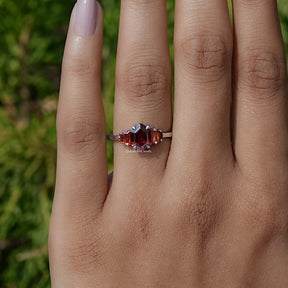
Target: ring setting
{"points": [[141, 137]]}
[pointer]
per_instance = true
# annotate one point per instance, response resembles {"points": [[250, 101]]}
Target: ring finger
{"points": [[143, 76]]}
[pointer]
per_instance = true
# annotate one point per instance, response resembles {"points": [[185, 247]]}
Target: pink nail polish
{"points": [[85, 22]]}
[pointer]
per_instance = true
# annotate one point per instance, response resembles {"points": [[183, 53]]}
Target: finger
{"points": [[81, 169], [203, 52], [143, 76], [260, 78]]}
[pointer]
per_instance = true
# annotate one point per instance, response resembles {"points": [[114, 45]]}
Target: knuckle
{"points": [[264, 73], [140, 4], [145, 87], [141, 226], [80, 135], [254, 4], [205, 55], [266, 210], [86, 253], [196, 207], [134, 224], [79, 67], [263, 209]]}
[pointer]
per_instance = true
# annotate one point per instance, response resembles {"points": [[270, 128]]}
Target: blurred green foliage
{"points": [[31, 46]]}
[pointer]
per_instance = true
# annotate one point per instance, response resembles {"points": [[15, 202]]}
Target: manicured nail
{"points": [[85, 22]]}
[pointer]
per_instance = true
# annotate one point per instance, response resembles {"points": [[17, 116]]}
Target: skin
{"points": [[197, 211]]}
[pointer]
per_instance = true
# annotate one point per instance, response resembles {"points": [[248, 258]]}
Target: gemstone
{"points": [[141, 137], [125, 138], [156, 136]]}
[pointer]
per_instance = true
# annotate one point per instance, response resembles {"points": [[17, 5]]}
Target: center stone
{"points": [[141, 137]]}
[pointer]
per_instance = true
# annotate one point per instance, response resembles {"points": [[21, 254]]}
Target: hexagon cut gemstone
{"points": [[141, 137]]}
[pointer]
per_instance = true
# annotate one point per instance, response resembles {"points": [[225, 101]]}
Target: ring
{"points": [[141, 137]]}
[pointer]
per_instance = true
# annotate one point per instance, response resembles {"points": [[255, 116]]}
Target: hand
{"points": [[197, 211]]}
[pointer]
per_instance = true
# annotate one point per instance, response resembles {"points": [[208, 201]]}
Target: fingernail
{"points": [[85, 22]]}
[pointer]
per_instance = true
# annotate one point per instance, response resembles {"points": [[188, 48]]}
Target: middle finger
{"points": [[203, 51]]}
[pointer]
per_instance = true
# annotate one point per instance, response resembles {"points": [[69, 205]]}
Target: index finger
{"points": [[81, 168]]}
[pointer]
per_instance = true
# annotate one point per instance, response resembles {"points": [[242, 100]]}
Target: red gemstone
{"points": [[141, 137], [157, 136], [125, 137]]}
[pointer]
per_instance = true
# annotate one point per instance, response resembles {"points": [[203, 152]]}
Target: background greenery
{"points": [[31, 46]]}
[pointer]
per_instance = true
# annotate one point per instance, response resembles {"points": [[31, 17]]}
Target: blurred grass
{"points": [[32, 42]]}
